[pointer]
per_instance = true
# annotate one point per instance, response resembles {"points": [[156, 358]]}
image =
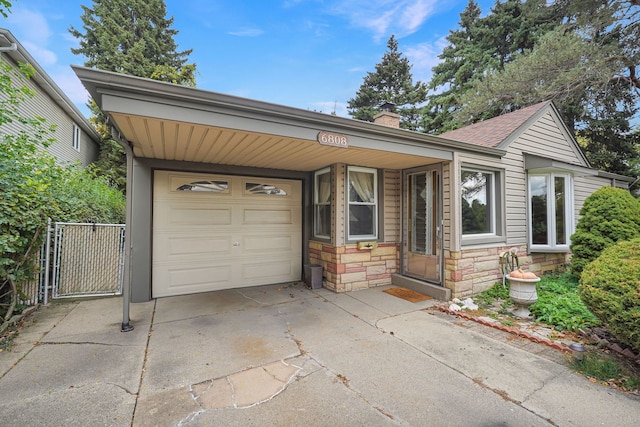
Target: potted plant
{"points": [[522, 290]]}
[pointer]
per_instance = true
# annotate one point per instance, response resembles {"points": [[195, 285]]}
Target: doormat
{"points": [[407, 294]]}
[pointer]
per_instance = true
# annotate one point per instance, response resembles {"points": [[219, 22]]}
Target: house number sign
{"points": [[333, 139]]}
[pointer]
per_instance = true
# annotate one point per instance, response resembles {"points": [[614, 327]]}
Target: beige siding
{"points": [[391, 201], [583, 187], [447, 205], [42, 105], [546, 138]]}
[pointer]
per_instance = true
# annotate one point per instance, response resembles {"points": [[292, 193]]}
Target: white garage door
{"points": [[213, 232]]}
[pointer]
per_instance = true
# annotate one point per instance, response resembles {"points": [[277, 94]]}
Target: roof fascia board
{"points": [[100, 83], [555, 114], [617, 177], [533, 162], [565, 130], [49, 86]]}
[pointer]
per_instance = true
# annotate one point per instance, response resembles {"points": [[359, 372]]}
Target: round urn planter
{"points": [[523, 293]]}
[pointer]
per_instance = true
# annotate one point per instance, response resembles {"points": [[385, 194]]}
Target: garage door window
{"points": [[206, 186], [268, 189]]}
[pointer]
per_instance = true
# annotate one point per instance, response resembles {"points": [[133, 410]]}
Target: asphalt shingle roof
{"points": [[492, 132]]}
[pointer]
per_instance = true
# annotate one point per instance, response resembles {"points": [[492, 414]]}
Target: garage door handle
{"points": [[236, 243]]}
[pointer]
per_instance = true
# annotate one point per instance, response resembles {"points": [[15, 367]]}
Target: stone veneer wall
{"points": [[345, 268], [471, 271]]}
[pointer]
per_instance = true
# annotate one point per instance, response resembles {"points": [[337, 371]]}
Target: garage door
{"points": [[213, 232]]}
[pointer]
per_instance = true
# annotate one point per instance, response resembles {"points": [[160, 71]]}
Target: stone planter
{"points": [[523, 293]]}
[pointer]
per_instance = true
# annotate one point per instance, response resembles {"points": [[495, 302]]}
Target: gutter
{"points": [[20, 54]]}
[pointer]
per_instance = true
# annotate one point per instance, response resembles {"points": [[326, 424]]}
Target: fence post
{"points": [[47, 263]]}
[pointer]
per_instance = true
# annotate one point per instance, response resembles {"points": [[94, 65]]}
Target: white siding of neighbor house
{"points": [[42, 105], [544, 138]]}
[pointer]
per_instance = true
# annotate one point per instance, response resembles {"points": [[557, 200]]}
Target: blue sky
{"points": [[310, 54]]}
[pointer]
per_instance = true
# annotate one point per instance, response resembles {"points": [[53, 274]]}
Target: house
{"points": [[226, 192], [76, 140]]}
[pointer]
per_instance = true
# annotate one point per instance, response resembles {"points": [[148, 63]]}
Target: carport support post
{"points": [[126, 285]]}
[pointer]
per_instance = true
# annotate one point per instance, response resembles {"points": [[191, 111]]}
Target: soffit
{"points": [[160, 138]]}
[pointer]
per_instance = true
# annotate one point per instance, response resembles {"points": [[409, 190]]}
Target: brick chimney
{"points": [[387, 117]]}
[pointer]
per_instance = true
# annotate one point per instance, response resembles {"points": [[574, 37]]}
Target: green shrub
{"points": [[33, 188], [559, 304], [610, 287], [609, 215]]}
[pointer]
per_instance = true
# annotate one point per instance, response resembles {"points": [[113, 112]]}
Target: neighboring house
{"points": [[76, 139], [226, 192]]}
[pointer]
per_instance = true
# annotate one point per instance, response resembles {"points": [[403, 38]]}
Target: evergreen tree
{"points": [[130, 37], [481, 45], [461, 63], [580, 54], [133, 37], [391, 82]]}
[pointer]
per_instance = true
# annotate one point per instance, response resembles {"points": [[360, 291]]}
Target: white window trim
{"points": [[76, 138], [551, 208], [316, 176], [374, 172]]}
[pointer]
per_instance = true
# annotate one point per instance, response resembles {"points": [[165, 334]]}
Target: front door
{"points": [[423, 225]]}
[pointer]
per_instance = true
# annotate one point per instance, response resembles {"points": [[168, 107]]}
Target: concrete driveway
{"points": [[283, 356]]}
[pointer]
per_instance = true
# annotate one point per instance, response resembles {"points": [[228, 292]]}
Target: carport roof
{"points": [[172, 122]]}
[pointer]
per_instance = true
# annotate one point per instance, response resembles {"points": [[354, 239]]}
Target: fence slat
{"points": [[88, 260]]}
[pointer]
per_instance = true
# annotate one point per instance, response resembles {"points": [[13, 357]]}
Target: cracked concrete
{"points": [[284, 355]]}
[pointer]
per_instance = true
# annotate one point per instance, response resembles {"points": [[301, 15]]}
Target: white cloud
{"points": [[29, 25], [43, 56], [247, 32], [385, 17], [71, 86], [423, 58], [32, 31]]}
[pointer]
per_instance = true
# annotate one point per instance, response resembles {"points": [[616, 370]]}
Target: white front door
{"points": [[213, 232]]}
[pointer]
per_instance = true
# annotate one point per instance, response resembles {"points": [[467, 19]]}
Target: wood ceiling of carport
{"points": [[173, 140]]}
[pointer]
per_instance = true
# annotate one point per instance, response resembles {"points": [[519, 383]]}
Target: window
{"points": [[362, 201], [478, 189], [481, 205], [550, 211], [206, 186], [266, 189], [76, 138], [322, 204]]}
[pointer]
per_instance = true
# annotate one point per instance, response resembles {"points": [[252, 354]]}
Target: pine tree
{"points": [[133, 37], [130, 37], [461, 63], [587, 66], [481, 45], [391, 82]]}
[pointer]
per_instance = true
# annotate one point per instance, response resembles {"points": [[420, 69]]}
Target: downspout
{"points": [[126, 285], [11, 48]]}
